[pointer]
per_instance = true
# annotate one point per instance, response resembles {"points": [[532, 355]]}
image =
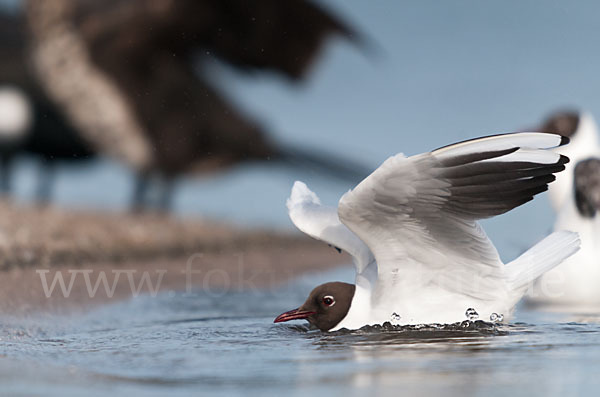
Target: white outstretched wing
{"points": [[418, 214], [322, 222]]}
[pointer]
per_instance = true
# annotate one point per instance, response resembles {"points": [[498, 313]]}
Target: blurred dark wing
{"points": [[282, 36]]}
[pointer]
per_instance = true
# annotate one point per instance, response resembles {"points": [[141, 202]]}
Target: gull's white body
{"points": [[419, 253], [574, 285]]}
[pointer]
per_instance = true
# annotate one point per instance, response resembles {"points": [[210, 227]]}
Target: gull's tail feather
{"points": [[322, 162], [542, 257]]}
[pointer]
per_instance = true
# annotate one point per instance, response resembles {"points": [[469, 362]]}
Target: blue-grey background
{"points": [[443, 71], [438, 72]]}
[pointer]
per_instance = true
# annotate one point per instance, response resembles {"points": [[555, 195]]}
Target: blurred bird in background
{"points": [[124, 77], [15, 122], [575, 196], [30, 123]]}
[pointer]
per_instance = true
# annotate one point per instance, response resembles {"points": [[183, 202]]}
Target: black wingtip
{"points": [[563, 159], [564, 140]]}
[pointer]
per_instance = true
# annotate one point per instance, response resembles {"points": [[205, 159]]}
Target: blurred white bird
{"points": [[411, 228], [573, 286]]}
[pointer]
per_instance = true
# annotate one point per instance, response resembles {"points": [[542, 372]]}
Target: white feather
{"points": [[500, 142], [322, 222], [528, 155], [541, 258]]}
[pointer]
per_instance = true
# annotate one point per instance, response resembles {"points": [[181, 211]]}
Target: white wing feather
{"points": [[322, 222], [418, 214]]}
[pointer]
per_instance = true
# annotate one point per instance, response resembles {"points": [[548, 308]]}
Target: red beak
{"points": [[295, 314]]}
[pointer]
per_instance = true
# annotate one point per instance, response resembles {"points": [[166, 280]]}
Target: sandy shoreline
{"points": [[57, 261]]}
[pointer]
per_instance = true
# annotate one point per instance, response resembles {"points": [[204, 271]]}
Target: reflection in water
{"points": [[385, 356], [429, 360]]}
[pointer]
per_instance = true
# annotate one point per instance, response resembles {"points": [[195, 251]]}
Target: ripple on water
{"points": [[398, 334], [185, 341]]}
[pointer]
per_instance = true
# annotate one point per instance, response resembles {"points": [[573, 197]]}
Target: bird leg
{"points": [[46, 182], [5, 174], [165, 201], [140, 192]]}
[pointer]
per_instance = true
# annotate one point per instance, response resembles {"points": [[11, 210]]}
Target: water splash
{"points": [[464, 328], [496, 318], [471, 314]]}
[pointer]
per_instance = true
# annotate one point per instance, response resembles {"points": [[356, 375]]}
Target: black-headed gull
{"points": [[576, 198], [411, 229], [30, 125]]}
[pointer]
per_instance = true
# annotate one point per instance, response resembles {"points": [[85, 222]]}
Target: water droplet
{"points": [[471, 314], [496, 318], [395, 317]]}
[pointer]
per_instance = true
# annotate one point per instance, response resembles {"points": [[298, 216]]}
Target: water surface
{"points": [[185, 344]]}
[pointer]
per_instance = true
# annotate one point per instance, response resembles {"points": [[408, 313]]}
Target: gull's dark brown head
{"points": [[325, 307], [563, 123], [587, 187]]}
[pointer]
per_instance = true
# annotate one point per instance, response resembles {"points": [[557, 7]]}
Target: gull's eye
{"points": [[328, 300]]}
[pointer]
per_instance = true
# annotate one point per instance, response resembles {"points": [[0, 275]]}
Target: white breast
{"points": [[16, 114]]}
